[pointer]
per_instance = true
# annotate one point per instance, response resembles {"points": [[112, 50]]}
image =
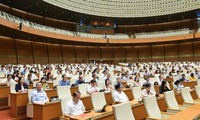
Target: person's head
{"points": [[81, 78], [118, 80], [192, 75], [76, 96], [49, 75], [93, 83], [136, 79], [64, 77], [118, 87], [183, 75], [43, 80], [177, 82], [164, 84], [147, 78], [39, 86], [147, 86], [94, 76], [107, 82], [9, 77], [29, 76]]}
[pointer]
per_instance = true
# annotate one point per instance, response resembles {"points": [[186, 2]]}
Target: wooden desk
{"points": [[108, 115], [187, 114], [18, 102], [87, 102], [4, 94], [124, 83], [47, 111], [157, 89], [109, 99], [73, 89], [170, 80], [190, 84], [139, 112], [128, 92]]}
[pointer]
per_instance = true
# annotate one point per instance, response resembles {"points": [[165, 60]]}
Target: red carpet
{"points": [[5, 115]]}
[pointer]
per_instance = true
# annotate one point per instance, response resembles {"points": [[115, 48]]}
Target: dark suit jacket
{"points": [[18, 87]]}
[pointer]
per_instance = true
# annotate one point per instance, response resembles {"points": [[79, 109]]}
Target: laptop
{"points": [[102, 110], [54, 99]]}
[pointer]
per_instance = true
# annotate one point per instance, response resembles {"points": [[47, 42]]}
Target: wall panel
{"points": [[185, 52], [81, 54], [132, 53], [7, 52], [40, 52], [157, 53], [107, 53], [196, 51], [144, 53], [55, 55], [171, 52], [24, 51], [94, 52], [119, 54], [68, 53]]}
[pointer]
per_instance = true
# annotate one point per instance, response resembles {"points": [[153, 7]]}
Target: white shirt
{"points": [[146, 94], [39, 97], [91, 89], [5, 81], [120, 97], [73, 108]]}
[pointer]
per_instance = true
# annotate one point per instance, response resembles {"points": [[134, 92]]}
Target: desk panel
{"points": [[187, 114], [4, 94], [47, 111], [129, 93]]}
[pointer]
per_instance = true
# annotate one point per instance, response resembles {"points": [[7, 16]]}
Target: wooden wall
{"points": [[22, 51]]}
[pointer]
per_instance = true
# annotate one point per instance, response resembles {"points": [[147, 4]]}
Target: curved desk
{"points": [[187, 114]]}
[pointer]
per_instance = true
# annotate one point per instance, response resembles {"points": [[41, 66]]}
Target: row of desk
{"points": [[18, 101]]}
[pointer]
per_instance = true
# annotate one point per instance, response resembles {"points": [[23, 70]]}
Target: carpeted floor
{"points": [[5, 115]]}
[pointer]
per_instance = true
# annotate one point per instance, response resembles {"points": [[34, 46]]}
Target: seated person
{"points": [[80, 80], [108, 86], [163, 87], [147, 80], [64, 81], [136, 82], [21, 86], [183, 78], [147, 91], [92, 87], [119, 81], [39, 96], [8, 81], [119, 96], [75, 106], [29, 79], [178, 85], [45, 85], [192, 78]]}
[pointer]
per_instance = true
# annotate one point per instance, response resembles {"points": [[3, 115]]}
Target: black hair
{"points": [[147, 85], [93, 81], [117, 86], [75, 93]]}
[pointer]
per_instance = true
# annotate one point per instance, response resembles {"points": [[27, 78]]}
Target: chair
{"points": [[55, 82], [63, 92], [83, 89], [172, 103], [12, 88], [98, 100], [152, 109], [29, 107], [136, 91], [122, 111], [187, 98], [63, 103]]}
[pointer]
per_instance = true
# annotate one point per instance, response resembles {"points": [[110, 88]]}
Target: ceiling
{"points": [[42, 8]]}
